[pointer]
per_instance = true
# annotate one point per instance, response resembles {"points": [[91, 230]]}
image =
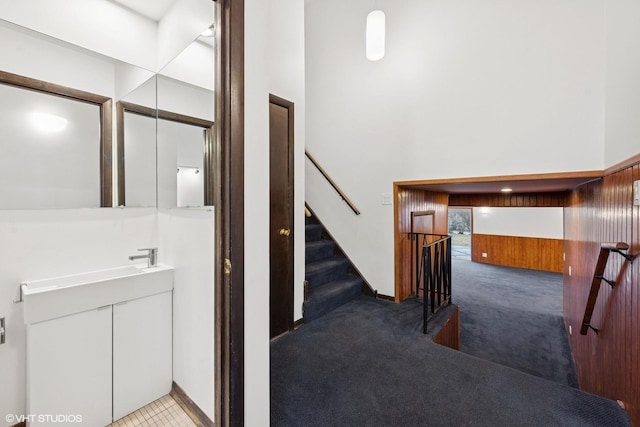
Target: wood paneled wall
{"points": [[409, 200], [521, 200], [449, 335], [522, 252], [607, 364]]}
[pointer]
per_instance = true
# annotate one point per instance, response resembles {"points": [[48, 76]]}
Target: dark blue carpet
{"points": [[513, 317], [367, 364]]}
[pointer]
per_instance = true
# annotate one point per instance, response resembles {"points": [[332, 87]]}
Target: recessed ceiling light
{"points": [[49, 123], [506, 190]]}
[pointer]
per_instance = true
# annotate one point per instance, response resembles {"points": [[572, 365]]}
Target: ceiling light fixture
{"points": [[49, 123], [375, 35], [506, 190]]}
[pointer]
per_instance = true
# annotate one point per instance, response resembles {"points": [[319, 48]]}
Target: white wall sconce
{"points": [[484, 210], [375, 35]]}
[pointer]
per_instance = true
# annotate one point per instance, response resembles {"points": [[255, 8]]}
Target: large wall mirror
{"points": [[145, 137], [52, 141]]}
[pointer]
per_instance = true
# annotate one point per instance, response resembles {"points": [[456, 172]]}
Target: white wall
{"points": [[256, 226], [180, 26], [622, 138], [104, 27], [273, 35], [29, 55], [195, 65], [545, 223], [286, 80], [465, 89], [187, 244], [178, 97]]}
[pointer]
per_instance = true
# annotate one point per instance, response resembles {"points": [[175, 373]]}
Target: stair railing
{"points": [[431, 258], [598, 278], [332, 182]]}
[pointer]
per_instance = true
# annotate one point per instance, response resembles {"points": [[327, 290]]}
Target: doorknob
{"points": [[285, 232]]}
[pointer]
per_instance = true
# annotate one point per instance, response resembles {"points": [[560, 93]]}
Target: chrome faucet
{"points": [[151, 256]]}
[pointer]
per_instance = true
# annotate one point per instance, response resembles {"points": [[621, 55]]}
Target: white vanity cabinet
{"points": [[142, 340], [69, 368], [99, 344]]}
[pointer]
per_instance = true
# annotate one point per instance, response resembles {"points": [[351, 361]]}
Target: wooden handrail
{"points": [[621, 246], [605, 250], [332, 182]]}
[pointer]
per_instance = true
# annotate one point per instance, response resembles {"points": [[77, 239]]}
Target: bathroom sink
{"points": [[60, 296]]}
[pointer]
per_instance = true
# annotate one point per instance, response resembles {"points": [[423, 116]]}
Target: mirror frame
{"points": [[209, 158], [106, 132]]}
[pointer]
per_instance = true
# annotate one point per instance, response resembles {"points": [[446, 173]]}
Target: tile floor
{"points": [[162, 412]]}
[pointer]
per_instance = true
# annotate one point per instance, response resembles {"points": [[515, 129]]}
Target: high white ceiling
{"points": [[154, 10]]}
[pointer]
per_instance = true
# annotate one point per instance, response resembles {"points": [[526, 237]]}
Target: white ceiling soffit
{"points": [[154, 10], [540, 185]]}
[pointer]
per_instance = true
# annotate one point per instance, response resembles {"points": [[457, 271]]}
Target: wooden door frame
{"points": [[470, 209], [423, 213], [229, 230], [289, 106]]}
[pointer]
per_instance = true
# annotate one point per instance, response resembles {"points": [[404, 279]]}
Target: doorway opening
{"points": [[460, 227]]}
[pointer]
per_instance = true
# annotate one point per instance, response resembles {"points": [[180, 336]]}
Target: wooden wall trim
{"points": [[625, 164], [194, 412], [449, 335], [385, 297], [525, 200], [522, 252], [52, 88], [500, 178], [106, 153]]}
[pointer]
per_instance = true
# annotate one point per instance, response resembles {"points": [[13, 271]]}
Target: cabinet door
{"points": [[69, 368], [142, 352]]}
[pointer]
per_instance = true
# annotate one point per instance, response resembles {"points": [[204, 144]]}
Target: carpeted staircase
{"points": [[331, 279]]}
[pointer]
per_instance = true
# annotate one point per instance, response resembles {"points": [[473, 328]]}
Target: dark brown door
{"points": [[281, 214]]}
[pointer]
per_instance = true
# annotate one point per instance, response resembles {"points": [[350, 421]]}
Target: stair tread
{"points": [[312, 226], [313, 232], [333, 288], [318, 249], [318, 243], [331, 296], [319, 265]]}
